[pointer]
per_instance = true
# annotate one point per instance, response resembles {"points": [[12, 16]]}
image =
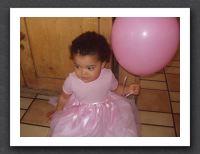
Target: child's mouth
{"points": [[84, 79]]}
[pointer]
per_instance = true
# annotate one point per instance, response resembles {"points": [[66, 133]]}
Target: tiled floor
{"points": [[158, 104]]}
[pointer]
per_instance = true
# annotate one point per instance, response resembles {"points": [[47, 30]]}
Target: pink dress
{"points": [[94, 110]]}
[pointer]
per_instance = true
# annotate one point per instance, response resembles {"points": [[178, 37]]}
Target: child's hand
{"points": [[133, 89], [50, 114]]}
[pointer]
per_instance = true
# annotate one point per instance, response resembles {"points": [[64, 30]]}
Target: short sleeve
{"points": [[67, 86], [114, 82]]}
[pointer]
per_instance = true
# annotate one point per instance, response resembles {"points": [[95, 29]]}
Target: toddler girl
{"points": [[91, 103]]}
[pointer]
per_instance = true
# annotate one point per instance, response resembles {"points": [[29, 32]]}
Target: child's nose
{"points": [[83, 72]]}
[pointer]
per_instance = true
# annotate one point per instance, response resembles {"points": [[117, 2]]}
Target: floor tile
{"points": [[37, 113], [161, 71], [174, 63], [153, 100], [155, 77], [174, 96], [28, 90], [38, 91], [153, 97], [177, 55], [33, 131], [156, 118], [25, 102], [49, 93], [46, 97], [153, 85], [177, 123], [22, 113], [28, 94], [173, 81], [175, 107], [25, 89], [172, 70], [157, 131], [130, 77]]}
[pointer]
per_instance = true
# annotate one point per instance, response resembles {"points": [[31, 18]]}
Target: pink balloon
{"points": [[145, 45]]}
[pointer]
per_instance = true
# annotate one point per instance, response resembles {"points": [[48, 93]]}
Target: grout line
{"points": [[22, 108], [152, 80], [34, 99], [153, 89], [42, 99], [28, 108], [177, 114], [156, 125], [23, 114], [34, 124], [176, 102], [172, 66], [161, 90], [170, 104], [27, 97], [154, 111]]}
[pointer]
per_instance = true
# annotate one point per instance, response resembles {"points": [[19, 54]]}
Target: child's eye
{"points": [[91, 68], [76, 66]]}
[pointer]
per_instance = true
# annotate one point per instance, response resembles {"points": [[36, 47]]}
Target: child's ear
{"points": [[103, 64]]}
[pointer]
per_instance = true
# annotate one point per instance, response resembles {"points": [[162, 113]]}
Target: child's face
{"points": [[87, 68]]}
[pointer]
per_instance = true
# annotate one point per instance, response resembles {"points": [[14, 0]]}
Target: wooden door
{"points": [[44, 50]]}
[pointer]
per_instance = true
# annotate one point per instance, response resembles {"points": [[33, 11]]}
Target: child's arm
{"points": [[63, 98], [127, 90]]}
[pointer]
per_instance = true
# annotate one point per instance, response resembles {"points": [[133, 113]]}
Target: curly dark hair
{"points": [[91, 43]]}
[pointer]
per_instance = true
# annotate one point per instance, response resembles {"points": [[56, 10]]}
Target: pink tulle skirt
{"points": [[115, 117]]}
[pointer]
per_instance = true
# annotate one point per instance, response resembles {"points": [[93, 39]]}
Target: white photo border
{"points": [[16, 13]]}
